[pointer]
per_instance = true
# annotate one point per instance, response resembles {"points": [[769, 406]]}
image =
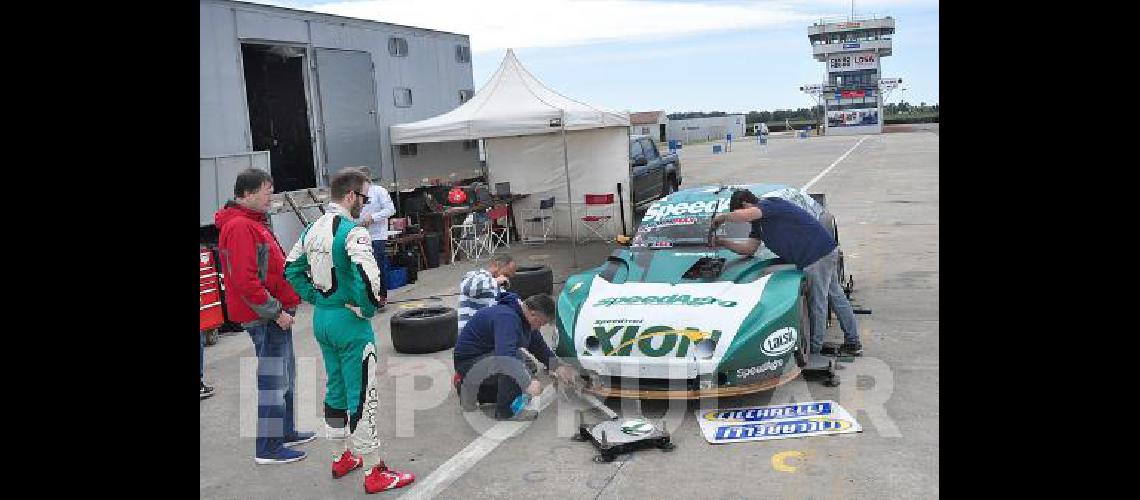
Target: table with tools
{"points": [[448, 215]]}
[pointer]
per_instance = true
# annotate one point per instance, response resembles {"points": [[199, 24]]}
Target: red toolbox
{"points": [[211, 315]]}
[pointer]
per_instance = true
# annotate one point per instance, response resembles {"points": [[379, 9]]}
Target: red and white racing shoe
{"points": [[381, 478], [346, 463]]}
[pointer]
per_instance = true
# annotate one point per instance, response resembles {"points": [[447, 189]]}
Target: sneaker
{"points": [[346, 463], [206, 391], [852, 349], [283, 456], [300, 438], [381, 478]]}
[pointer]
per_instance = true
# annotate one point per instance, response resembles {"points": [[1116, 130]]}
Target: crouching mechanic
{"points": [[489, 366], [333, 268]]}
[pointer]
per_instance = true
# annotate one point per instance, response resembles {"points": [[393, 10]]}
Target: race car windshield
{"points": [[683, 231]]}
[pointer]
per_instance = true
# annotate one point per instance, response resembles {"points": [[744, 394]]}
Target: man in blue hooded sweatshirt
{"points": [[487, 359]]}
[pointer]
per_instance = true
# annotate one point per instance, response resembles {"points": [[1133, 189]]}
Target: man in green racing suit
{"points": [[332, 267]]}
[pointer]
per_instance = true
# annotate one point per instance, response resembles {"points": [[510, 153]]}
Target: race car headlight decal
{"points": [[704, 348], [593, 345]]}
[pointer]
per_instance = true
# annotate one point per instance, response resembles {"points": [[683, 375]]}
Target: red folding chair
{"points": [[597, 214], [500, 227]]}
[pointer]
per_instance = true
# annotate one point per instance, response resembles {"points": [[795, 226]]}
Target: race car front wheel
{"points": [[801, 352]]}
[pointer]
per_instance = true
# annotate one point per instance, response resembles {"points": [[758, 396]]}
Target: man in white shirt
{"points": [[374, 217]]}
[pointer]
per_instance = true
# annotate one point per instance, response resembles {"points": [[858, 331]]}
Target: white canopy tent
{"points": [[543, 143]]}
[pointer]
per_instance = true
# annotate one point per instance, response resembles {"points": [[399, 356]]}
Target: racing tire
{"points": [[533, 280], [801, 352], [424, 330]]}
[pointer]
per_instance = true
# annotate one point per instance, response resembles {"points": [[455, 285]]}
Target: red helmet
{"points": [[457, 195]]}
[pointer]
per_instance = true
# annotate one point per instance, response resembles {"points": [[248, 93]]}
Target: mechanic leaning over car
{"points": [[796, 236], [488, 365]]}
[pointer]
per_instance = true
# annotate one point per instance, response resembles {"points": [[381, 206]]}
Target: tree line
{"points": [[803, 114]]}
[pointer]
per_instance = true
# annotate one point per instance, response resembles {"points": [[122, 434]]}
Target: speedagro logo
{"points": [[663, 300], [744, 373], [779, 342], [706, 207]]}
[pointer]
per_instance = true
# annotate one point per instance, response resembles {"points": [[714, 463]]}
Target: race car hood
{"points": [[652, 329], [669, 265]]}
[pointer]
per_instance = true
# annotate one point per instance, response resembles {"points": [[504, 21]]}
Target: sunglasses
{"points": [[362, 196]]}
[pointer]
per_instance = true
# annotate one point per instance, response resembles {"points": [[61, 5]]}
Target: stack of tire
{"points": [[532, 280]]}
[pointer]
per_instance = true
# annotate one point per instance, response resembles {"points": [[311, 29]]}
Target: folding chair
{"points": [[598, 212], [541, 218], [500, 230], [471, 237]]}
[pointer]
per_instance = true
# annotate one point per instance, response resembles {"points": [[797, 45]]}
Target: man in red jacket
{"points": [[264, 303]]}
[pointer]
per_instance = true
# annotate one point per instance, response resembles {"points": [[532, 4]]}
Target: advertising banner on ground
{"points": [[764, 423]]}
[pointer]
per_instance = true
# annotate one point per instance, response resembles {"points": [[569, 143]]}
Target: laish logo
{"points": [[779, 342], [661, 211], [663, 300]]}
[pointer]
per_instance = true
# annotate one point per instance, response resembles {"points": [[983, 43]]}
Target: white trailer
{"points": [[317, 92]]}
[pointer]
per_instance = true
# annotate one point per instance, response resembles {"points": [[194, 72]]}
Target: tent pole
{"points": [[569, 200], [395, 184]]}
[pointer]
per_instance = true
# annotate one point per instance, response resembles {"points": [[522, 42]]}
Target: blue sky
{"points": [[677, 55]]}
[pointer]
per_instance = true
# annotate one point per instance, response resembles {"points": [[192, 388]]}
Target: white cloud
{"points": [[498, 24], [494, 25]]}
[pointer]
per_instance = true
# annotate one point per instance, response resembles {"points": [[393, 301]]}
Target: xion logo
{"points": [[664, 300], [779, 342], [675, 342]]}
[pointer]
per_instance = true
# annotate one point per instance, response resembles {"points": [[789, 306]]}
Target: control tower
{"points": [[852, 48]]}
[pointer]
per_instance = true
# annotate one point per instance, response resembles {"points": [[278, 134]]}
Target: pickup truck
{"points": [[653, 175]]}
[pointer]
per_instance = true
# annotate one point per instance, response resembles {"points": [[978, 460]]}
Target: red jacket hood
{"points": [[233, 210]]}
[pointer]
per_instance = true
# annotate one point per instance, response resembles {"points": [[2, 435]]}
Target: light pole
{"points": [[904, 99]]}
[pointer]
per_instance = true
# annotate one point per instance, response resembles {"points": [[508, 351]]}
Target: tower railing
{"points": [[862, 17]]}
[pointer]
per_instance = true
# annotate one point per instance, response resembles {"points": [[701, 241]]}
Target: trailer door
{"points": [[347, 91]]}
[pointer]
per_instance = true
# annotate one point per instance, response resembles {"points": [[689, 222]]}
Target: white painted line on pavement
{"points": [[458, 465], [833, 164]]}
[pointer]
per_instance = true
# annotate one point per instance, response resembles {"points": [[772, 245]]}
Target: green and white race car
{"points": [[672, 318]]}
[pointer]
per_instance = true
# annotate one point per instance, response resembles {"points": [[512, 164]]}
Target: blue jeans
{"points": [[382, 263], [824, 280], [276, 374]]}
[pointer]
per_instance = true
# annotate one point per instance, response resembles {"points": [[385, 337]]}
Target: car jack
{"points": [[826, 365]]}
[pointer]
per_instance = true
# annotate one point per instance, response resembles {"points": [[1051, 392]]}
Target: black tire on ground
{"points": [[212, 336], [804, 347], [424, 329], [533, 280]]}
